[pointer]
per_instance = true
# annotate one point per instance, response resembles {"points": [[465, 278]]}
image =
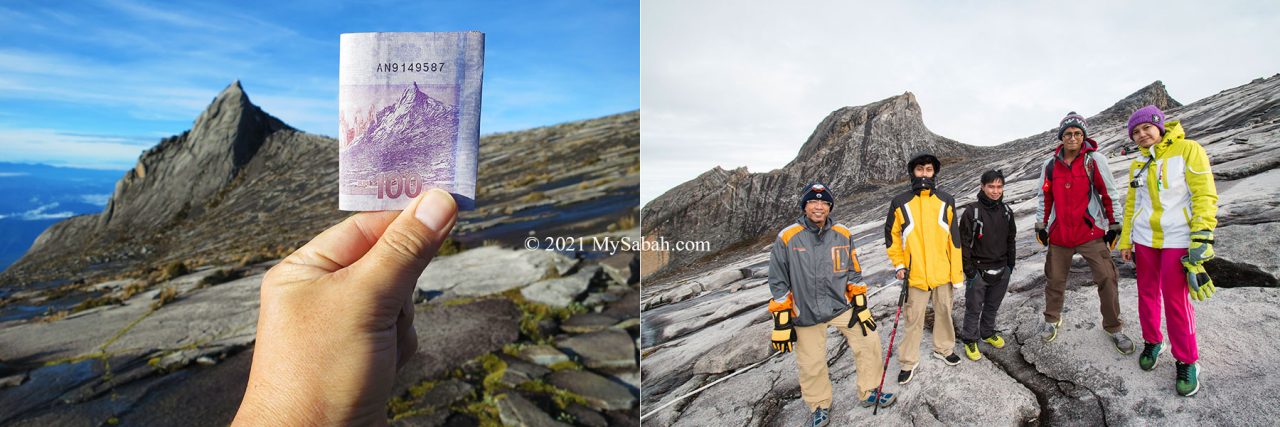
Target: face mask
{"points": [[918, 183]]}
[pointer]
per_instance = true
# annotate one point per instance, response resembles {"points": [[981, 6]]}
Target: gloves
{"points": [[784, 332], [1201, 248], [861, 313], [970, 272], [1112, 236], [1042, 235], [1198, 282]]}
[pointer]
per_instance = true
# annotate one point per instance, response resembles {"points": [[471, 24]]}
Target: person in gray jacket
{"points": [[816, 283]]}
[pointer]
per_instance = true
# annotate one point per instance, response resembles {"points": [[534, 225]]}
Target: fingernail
{"points": [[436, 209]]}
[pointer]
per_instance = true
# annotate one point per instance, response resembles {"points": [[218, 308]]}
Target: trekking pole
{"points": [[902, 299]]}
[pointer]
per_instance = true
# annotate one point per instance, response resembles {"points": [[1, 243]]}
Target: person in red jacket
{"points": [[1078, 212]]}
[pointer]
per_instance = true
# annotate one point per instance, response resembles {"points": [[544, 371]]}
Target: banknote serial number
{"points": [[410, 67]]}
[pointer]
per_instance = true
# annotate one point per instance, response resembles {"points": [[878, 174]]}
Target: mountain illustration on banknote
{"points": [[414, 130]]}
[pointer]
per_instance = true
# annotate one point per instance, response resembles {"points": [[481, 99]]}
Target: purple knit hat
{"points": [[1149, 114]]}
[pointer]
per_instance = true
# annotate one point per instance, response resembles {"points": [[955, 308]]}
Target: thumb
{"points": [[394, 263]]}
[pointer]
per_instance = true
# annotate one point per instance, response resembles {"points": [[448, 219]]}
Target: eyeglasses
{"points": [[1073, 135]]}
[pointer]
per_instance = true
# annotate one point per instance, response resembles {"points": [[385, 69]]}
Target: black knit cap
{"points": [[817, 191], [922, 158]]}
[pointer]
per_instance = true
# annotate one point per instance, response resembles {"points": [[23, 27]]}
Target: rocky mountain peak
{"points": [[184, 172], [852, 150], [1152, 94]]}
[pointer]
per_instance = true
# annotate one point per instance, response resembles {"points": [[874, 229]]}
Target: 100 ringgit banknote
{"points": [[409, 117]]}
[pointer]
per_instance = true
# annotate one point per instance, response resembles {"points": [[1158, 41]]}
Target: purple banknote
{"points": [[408, 117]]}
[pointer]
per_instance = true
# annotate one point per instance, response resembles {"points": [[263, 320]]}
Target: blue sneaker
{"points": [[820, 418], [886, 400]]}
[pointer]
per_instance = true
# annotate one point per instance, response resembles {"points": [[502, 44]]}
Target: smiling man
{"points": [[816, 283], [1077, 212]]}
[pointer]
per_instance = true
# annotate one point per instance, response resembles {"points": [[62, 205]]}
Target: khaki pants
{"points": [[944, 331], [811, 358], [1058, 263]]}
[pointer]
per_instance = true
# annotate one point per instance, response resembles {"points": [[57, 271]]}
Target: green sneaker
{"points": [[996, 341], [971, 350], [1150, 355], [1187, 383]]}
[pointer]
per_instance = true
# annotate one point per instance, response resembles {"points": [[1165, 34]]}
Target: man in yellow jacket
{"points": [[922, 240]]}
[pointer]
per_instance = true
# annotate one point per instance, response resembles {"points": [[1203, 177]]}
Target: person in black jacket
{"points": [[987, 231]]}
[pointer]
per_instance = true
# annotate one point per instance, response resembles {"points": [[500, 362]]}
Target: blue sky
{"points": [[92, 84]]}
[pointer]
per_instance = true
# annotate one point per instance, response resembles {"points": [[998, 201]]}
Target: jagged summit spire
{"points": [[1152, 94]]}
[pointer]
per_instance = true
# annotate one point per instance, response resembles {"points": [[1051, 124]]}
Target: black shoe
{"points": [[905, 376], [950, 359]]}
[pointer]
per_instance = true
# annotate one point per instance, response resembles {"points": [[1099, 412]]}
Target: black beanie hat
{"points": [[817, 191]]}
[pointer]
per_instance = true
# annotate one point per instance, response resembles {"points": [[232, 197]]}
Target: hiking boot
{"points": [[1188, 382], [1150, 355], [905, 376], [820, 418], [971, 350], [1123, 344], [886, 400], [996, 341], [1050, 330], [950, 359]]}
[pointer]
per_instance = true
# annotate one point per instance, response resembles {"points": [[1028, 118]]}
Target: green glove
{"points": [[1199, 284], [784, 333], [1201, 248]]}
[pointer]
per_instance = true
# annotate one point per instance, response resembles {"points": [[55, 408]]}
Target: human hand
{"points": [[336, 318], [1126, 255], [902, 274]]}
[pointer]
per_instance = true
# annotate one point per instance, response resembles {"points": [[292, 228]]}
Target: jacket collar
{"points": [[1089, 145], [1172, 133], [987, 202], [809, 225]]}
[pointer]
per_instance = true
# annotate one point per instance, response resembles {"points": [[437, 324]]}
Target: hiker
{"points": [[816, 283], [987, 233], [1169, 217], [920, 237], [1077, 213]]}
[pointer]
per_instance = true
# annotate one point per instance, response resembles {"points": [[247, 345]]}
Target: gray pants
{"points": [[981, 303]]}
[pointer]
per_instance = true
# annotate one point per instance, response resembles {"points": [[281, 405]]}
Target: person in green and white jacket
{"points": [[1169, 217]]}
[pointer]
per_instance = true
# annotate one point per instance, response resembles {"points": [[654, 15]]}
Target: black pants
{"points": [[981, 304]]}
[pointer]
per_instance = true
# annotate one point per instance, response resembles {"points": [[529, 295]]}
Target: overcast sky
{"points": [[744, 83]]}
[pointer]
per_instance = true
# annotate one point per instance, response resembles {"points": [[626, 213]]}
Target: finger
{"points": [[342, 244], [393, 264], [406, 335]]}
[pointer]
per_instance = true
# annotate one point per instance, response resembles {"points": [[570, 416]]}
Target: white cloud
{"points": [[745, 85], [9, 174], [74, 150], [96, 199], [39, 213]]}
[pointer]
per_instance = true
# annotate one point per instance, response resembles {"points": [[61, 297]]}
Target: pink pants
{"points": [[1160, 274]]}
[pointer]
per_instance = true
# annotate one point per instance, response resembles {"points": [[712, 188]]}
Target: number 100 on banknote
{"points": [[408, 117]]}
